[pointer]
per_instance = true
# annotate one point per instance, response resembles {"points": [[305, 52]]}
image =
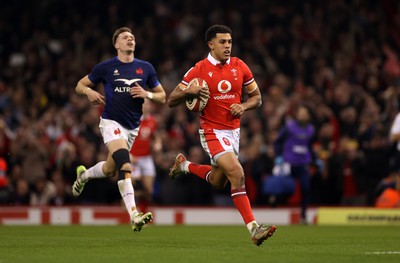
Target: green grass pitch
{"points": [[206, 244]]}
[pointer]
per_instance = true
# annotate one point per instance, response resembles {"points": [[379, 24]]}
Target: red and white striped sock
{"points": [[242, 203]]}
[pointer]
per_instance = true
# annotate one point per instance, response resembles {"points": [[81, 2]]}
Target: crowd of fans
{"points": [[339, 58]]}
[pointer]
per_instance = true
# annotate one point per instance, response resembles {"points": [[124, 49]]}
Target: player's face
{"points": [[221, 46], [125, 42]]}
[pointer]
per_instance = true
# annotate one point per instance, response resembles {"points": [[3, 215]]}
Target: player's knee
{"points": [[234, 169], [122, 162]]}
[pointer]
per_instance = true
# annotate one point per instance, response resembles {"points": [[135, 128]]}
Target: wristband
{"points": [[150, 95]]}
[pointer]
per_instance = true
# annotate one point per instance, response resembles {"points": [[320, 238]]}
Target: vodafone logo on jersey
{"points": [[224, 86]]}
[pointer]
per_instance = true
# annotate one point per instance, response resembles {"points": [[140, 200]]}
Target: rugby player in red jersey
{"points": [[143, 168], [220, 122]]}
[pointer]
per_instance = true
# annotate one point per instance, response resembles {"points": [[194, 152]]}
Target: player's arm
{"points": [[181, 92], [253, 102], [84, 87], [157, 94]]}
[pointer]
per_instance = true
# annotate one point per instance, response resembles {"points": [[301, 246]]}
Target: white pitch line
{"points": [[383, 253]]}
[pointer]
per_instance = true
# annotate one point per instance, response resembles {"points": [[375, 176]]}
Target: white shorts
{"points": [[144, 166], [112, 130], [217, 142]]}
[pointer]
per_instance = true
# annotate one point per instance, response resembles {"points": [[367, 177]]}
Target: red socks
{"points": [[242, 203], [201, 171], [239, 195]]}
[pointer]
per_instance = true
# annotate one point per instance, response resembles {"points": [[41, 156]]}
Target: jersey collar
{"points": [[214, 61]]}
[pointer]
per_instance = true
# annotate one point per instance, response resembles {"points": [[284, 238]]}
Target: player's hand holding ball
{"points": [[198, 87], [198, 92]]}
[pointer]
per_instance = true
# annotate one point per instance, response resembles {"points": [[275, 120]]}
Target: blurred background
{"points": [[339, 57]]}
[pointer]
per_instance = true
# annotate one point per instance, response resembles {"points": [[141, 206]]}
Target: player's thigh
{"points": [[115, 136], [218, 142], [115, 145], [230, 165]]}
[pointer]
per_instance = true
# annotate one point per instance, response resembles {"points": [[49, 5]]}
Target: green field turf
{"points": [[206, 244]]}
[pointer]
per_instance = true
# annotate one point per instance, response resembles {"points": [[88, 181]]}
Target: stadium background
{"points": [[340, 57]]}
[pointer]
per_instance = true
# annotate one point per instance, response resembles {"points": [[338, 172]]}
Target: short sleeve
{"points": [[247, 74], [152, 80]]}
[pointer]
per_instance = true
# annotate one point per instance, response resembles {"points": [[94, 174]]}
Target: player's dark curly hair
{"points": [[214, 30], [119, 31]]}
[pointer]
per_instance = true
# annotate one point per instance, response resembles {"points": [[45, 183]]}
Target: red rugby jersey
{"points": [[142, 143], [225, 83]]}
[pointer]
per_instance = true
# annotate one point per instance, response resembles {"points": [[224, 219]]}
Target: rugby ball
{"points": [[197, 104]]}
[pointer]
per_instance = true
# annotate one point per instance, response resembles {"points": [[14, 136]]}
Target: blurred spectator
{"points": [[346, 183], [30, 150], [376, 163], [21, 194], [388, 191], [293, 145], [62, 192], [6, 137], [43, 192], [3, 181]]}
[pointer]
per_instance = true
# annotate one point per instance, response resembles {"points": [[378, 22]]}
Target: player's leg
{"points": [[182, 166], [205, 172], [136, 177], [232, 168], [217, 177], [148, 185], [301, 172], [210, 173], [148, 169], [215, 144], [120, 157], [222, 147], [83, 175], [229, 163], [101, 169], [120, 154], [118, 144], [225, 155]]}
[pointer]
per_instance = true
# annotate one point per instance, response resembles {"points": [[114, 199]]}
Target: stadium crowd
{"points": [[339, 58]]}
